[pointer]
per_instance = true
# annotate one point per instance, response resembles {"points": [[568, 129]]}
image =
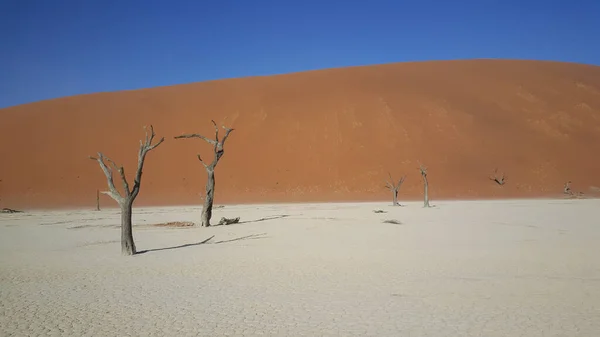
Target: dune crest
{"points": [[327, 135]]}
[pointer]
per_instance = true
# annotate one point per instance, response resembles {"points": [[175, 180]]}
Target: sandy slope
{"points": [[321, 135], [508, 268]]}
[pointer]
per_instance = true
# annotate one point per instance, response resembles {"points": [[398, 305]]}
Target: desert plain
{"points": [[462, 268]]}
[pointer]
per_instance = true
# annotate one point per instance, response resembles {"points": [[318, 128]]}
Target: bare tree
{"points": [[126, 200], [423, 171], [567, 189], [210, 168], [97, 200], [499, 180], [394, 187]]}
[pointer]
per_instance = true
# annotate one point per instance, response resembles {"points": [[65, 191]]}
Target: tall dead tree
{"points": [[394, 187], [210, 168], [423, 171], [499, 180], [126, 200]]}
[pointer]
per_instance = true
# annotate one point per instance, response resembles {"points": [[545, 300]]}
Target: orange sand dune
{"points": [[320, 135]]}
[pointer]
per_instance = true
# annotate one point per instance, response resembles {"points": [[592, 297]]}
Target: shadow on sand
{"points": [[247, 237], [275, 217]]}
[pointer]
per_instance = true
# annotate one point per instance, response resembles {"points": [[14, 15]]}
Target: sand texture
{"points": [[329, 135], [505, 268]]}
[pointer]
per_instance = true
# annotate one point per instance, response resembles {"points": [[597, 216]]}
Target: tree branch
{"points": [[113, 193], [202, 161], [500, 181], [197, 135], [145, 147], [217, 144], [216, 131], [121, 171]]}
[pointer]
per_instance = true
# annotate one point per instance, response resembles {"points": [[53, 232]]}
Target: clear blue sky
{"points": [[54, 48]]}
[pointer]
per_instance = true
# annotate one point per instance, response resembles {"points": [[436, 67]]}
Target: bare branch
{"points": [[423, 170], [227, 132], [390, 182], [113, 193], [144, 149], [202, 161], [499, 180], [196, 135], [216, 131], [121, 171]]}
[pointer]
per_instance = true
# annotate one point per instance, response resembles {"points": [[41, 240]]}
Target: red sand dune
{"points": [[328, 135]]}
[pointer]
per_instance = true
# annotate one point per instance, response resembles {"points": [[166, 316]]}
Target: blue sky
{"points": [[60, 48]]}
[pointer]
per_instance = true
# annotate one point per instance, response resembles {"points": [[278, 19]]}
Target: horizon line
{"points": [[309, 70]]}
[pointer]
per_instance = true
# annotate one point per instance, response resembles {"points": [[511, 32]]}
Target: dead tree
{"points": [[567, 189], [126, 200], [423, 170], [394, 187], [98, 200], [499, 180], [210, 168]]}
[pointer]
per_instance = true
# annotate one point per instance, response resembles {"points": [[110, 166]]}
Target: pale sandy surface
{"points": [[510, 268]]}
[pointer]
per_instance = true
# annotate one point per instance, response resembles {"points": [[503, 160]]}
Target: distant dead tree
{"points": [[499, 180], [126, 201], [423, 171], [98, 200], [210, 168], [570, 193], [394, 187], [567, 188]]}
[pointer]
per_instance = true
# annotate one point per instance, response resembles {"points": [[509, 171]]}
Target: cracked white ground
{"points": [[464, 268]]}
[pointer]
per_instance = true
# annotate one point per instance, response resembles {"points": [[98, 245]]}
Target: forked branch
{"points": [[145, 147], [391, 183], [216, 143], [423, 170], [499, 180]]}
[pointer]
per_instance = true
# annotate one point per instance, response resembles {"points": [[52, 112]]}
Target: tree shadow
{"points": [[247, 237], [275, 217], [176, 247]]}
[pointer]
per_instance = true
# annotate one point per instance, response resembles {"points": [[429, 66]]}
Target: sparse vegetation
{"points": [[392, 221], [218, 149], [126, 200]]}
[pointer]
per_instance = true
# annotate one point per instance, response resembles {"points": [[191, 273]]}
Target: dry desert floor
{"points": [[464, 268]]}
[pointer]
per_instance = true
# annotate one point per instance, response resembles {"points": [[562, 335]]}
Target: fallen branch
{"points": [[10, 211], [226, 221]]}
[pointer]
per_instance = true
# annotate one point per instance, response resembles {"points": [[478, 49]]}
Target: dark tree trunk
{"points": [[127, 244], [426, 193], [125, 199], [209, 199], [395, 198]]}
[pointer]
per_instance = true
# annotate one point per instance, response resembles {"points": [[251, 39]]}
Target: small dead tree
{"points": [[218, 148], [98, 200], [423, 171], [394, 187], [126, 200], [499, 180], [567, 189]]}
